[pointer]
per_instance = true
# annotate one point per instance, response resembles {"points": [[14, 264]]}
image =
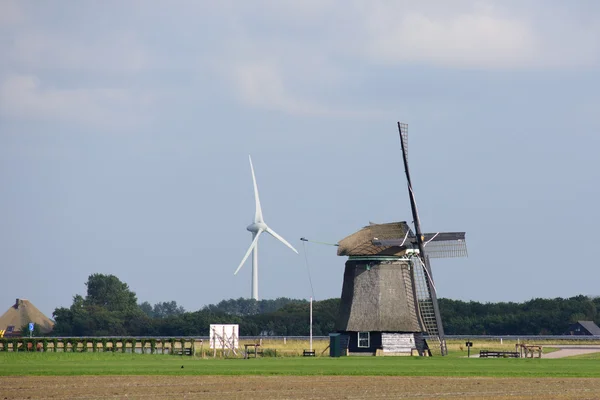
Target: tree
{"points": [[109, 292], [146, 307], [167, 309]]}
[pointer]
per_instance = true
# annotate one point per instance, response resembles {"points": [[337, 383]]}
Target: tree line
{"points": [[110, 308]]}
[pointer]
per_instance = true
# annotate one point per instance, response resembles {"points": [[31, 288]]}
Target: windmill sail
{"points": [[445, 244], [437, 245], [423, 278]]}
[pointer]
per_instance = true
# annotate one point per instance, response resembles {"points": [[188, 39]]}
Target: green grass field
{"points": [[71, 364]]}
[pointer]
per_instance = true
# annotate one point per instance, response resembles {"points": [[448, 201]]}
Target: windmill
{"points": [[257, 228], [389, 300]]}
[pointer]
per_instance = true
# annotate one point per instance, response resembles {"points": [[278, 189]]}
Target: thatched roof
{"points": [[22, 313], [361, 243]]}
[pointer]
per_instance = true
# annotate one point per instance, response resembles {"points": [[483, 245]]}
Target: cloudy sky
{"points": [[125, 129]]}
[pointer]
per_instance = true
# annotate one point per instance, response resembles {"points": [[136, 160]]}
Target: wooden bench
{"points": [[256, 351], [498, 354], [308, 353]]}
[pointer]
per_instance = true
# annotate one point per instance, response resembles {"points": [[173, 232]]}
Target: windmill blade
{"points": [[404, 137], [252, 246], [258, 217], [428, 305], [445, 245], [282, 240]]}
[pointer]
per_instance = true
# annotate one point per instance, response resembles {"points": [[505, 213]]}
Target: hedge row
{"points": [[81, 345]]}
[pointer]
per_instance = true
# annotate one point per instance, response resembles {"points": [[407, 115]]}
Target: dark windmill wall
{"points": [[377, 297], [374, 343]]}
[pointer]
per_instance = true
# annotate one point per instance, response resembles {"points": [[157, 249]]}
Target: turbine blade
{"points": [[258, 217], [282, 240], [252, 246]]}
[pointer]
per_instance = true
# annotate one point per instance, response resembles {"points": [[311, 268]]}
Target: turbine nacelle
{"points": [[257, 226]]}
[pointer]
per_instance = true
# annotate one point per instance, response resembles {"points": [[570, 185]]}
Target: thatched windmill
{"points": [[389, 301]]}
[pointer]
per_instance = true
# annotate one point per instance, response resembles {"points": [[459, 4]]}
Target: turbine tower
{"points": [[257, 228]]}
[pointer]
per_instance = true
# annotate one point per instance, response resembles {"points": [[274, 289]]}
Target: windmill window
{"points": [[364, 339]]}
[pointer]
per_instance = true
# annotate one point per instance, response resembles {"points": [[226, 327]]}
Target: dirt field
{"points": [[279, 387]]}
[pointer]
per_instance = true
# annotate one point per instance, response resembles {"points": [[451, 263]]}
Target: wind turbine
{"points": [[257, 228]]}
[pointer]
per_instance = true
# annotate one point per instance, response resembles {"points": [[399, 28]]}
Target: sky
{"points": [[125, 130]]}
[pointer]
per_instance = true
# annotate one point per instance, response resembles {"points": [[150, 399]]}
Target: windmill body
{"points": [[257, 227], [389, 302]]}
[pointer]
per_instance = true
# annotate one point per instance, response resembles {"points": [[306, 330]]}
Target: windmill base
{"points": [[376, 343]]}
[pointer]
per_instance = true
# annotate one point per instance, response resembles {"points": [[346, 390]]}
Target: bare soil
{"points": [[294, 387]]}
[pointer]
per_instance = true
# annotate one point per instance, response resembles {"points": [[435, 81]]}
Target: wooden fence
{"points": [[187, 346]]}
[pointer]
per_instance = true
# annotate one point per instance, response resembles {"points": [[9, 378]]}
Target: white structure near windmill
{"points": [[257, 228]]}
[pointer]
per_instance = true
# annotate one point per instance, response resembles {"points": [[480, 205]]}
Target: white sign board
{"points": [[224, 336]]}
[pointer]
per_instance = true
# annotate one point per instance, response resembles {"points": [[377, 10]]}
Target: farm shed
{"points": [[586, 328]]}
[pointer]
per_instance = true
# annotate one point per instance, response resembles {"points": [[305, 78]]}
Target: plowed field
{"points": [[294, 387]]}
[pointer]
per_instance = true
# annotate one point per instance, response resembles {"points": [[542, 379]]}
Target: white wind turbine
{"points": [[257, 228]]}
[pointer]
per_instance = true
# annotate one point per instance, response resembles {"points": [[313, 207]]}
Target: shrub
{"points": [[269, 353]]}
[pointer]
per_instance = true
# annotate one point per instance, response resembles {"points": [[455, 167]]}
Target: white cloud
{"points": [[287, 56], [347, 36], [24, 97], [463, 40], [261, 85], [110, 52]]}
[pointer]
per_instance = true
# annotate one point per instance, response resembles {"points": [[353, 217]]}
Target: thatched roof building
{"points": [[379, 310], [22, 313]]}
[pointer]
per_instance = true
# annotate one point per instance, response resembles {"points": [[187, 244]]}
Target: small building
{"points": [[585, 328], [21, 314]]}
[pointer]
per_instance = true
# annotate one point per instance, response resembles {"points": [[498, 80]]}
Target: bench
{"points": [[498, 354], [255, 346], [308, 353]]}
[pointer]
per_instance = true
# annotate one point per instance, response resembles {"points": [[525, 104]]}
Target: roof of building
{"points": [[361, 243], [22, 313], [396, 239], [590, 326]]}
